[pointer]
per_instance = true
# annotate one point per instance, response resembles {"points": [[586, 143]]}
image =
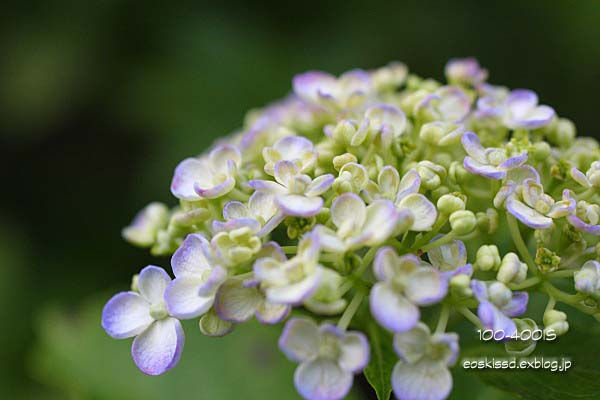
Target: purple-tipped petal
{"points": [[159, 347], [426, 380], [192, 257], [391, 309], [355, 352], [521, 101], [322, 379], [298, 205], [454, 104], [235, 210], [236, 303], [310, 85], [388, 265], [186, 175], [211, 283], [297, 292], [519, 174], [319, 185], [527, 215], [447, 256], [485, 170], [224, 154], [473, 147], [580, 178], [583, 226], [152, 283], [423, 210], [299, 340], [271, 313], [410, 183], [183, 300], [513, 162], [285, 171], [479, 290], [262, 205], [125, 315], [517, 305], [381, 220], [267, 187], [230, 225], [426, 286], [492, 318], [215, 191]]}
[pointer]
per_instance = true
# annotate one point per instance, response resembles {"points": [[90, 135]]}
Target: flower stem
{"points": [[520, 243], [468, 314], [448, 237], [525, 284], [561, 274], [351, 310], [238, 195], [574, 300], [443, 319], [289, 249], [366, 261]]}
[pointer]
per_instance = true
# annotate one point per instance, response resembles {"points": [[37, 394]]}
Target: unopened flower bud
{"points": [[487, 221], [431, 174], [500, 295], [457, 173], [546, 259], [344, 131], [540, 151], [521, 347], [562, 132], [462, 222], [587, 279], [460, 285], [511, 269], [449, 203], [488, 257], [340, 161], [555, 321], [390, 77]]}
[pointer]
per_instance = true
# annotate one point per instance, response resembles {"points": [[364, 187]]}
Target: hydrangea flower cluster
{"points": [[376, 198]]}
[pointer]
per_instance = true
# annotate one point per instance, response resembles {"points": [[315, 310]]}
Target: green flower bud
{"points": [[431, 133], [238, 245], [526, 346], [487, 257], [487, 221], [390, 77], [462, 222], [555, 321], [457, 173], [344, 131], [449, 203], [211, 325], [431, 174], [562, 132], [340, 161], [297, 226], [511, 269], [353, 177], [500, 294], [540, 151], [460, 286], [134, 283], [546, 260], [439, 192]]}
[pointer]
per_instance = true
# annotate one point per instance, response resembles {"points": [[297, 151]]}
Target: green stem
{"points": [[574, 300], [551, 304], [443, 319], [366, 261], [439, 224], [567, 273], [351, 310], [289, 249], [513, 227], [587, 194], [468, 314], [237, 194], [525, 284], [448, 237]]}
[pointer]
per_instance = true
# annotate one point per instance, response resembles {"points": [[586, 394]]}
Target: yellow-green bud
{"points": [[540, 151], [488, 257], [511, 269], [487, 221], [462, 222], [340, 161], [344, 131], [449, 203], [431, 174], [457, 173], [522, 347], [390, 77], [555, 321], [460, 285], [431, 133]]}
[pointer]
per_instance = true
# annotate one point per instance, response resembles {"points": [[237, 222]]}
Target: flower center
{"points": [[158, 311]]}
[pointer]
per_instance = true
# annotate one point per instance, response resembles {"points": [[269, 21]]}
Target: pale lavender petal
{"points": [[388, 265], [492, 318], [262, 205], [583, 226], [391, 309], [348, 210], [355, 352], [485, 170], [473, 147], [186, 175], [513, 162], [564, 207], [235, 210], [520, 174], [273, 250], [479, 290], [285, 171], [580, 178], [538, 117], [466, 269], [211, 283], [267, 187], [222, 155], [192, 257], [235, 303], [216, 191], [389, 181], [423, 210], [293, 148], [152, 283], [527, 215], [520, 102], [517, 305], [322, 379], [299, 206], [426, 286], [311, 84], [454, 104], [329, 240], [299, 340], [297, 292], [410, 183], [319, 185], [271, 313], [447, 256], [412, 344], [384, 117], [426, 380], [381, 220], [450, 341], [230, 225], [125, 315], [182, 298], [159, 347]]}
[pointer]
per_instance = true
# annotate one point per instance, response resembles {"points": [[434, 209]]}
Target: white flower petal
{"points": [[354, 355], [423, 210], [125, 315], [391, 309], [322, 379], [425, 380], [236, 303], [183, 300], [159, 347], [152, 283], [299, 340]]}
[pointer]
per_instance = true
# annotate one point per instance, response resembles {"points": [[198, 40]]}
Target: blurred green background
{"points": [[101, 99]]}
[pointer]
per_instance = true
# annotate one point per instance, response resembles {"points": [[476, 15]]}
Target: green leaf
{"points": [[581, 381], [383, 359]]}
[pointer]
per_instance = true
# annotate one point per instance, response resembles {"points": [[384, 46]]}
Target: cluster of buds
{"points": [[358, 201]]}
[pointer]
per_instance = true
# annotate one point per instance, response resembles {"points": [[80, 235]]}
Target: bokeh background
{"points": [[101, 99]]}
